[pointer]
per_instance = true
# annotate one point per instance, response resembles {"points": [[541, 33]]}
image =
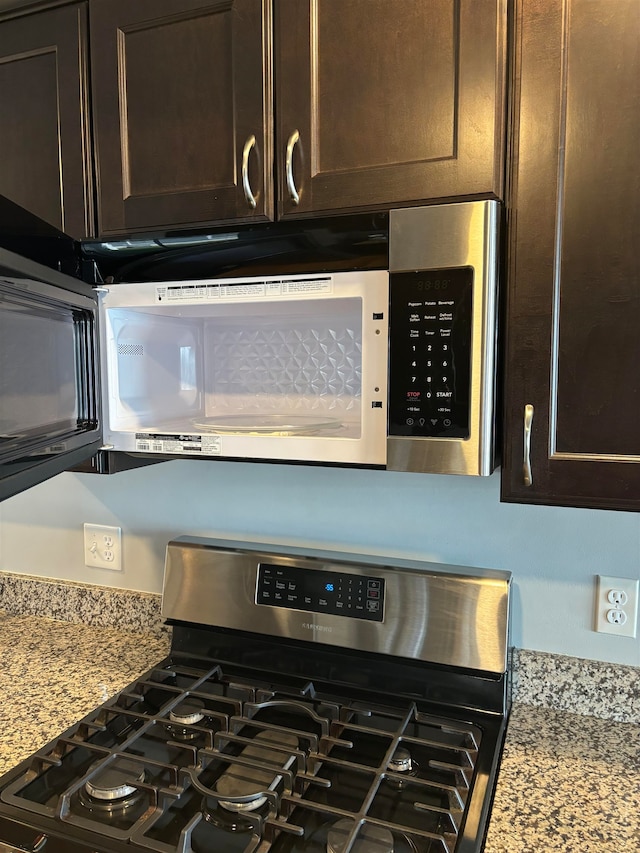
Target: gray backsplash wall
{"points": [[554, 553]]}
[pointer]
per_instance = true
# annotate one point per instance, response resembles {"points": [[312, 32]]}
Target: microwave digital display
{"points": [[430, 353]]}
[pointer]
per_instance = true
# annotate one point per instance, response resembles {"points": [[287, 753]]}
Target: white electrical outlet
{"points": [[103, 547], [617, 606]]}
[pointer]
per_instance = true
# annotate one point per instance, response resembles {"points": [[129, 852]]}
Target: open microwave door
{"points": [[49, 400]]}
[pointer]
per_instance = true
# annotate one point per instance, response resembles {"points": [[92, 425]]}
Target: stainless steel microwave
{"points": [[389, 367]]}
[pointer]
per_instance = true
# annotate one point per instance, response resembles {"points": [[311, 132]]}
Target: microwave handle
{"points": [[246, 186], [526, 462]]}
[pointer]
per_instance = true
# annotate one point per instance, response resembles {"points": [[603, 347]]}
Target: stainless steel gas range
{"points": [[308, 704]]}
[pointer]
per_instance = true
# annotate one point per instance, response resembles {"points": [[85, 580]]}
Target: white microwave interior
{"points": [[275, 368]]}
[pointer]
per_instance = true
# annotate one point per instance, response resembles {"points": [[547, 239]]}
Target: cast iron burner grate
{"points": [[213, 758]]}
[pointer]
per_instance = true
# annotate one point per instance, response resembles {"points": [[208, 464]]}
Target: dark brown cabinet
{"points": [[379, 103], [45, 162], [573, 315], [182, 112], [385, 103]]}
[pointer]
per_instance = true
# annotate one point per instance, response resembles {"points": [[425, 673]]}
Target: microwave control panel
{"points": [[337, 593], [430, 353]]}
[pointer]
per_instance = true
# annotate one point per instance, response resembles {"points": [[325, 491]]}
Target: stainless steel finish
{"points": [[188, 713], [246, 186], [401, 761], [288, 166], [526, 462], [438, 237], [115, 793], [433, 612]]}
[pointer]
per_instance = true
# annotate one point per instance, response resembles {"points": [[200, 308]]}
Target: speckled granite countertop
{"points": [[568, 782], [53, 673]]}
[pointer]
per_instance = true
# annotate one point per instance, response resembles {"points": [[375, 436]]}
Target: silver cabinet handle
{"points": [[246, 186], [526, 462], [288, 165]]}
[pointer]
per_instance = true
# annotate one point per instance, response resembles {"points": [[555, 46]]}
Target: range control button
{"points": [[373, 584], [372, 606], [373, 593]]}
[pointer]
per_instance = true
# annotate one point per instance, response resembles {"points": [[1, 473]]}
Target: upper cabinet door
{"points": [[182, 112], [44, 138], [573, 324], [386, 102]]}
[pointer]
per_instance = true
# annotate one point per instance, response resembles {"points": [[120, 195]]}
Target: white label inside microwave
{"points": [[255, 289], [203, 445]]}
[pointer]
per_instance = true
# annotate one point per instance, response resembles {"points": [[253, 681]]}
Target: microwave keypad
{"points": [[430, 351], [337, 593]]}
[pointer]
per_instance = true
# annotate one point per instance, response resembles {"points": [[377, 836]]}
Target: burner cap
{"points": [[371, 839], [401, 762], [242, 781], [113, 783], [188, 713]]}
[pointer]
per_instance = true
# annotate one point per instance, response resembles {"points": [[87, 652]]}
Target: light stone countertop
{"points": [[567, 782], [53, 673]]}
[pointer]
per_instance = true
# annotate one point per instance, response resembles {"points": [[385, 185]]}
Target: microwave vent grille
{"points": [[130, 349]]}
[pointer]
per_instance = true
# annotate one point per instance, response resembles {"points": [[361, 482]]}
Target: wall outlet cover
{"points": [[616, 606], [103, 547]]}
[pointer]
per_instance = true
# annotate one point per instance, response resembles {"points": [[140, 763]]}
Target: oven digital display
{"points": [[337, 593]]}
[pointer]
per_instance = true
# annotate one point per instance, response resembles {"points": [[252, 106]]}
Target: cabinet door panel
{"points": [[179, 88], [44, 140], [394, 100], [574, 284]]}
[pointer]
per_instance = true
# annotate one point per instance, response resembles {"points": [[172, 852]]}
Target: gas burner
{"points": [[231, 816], [371, 839], [401, 762], [188, 713], [110, 790], [240, 780]]}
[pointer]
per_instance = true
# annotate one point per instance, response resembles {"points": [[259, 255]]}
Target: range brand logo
{"points": [[311, 626]]}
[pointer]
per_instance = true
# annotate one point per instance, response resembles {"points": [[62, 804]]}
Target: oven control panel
{"points": [[337, 593], [430, 353]]}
